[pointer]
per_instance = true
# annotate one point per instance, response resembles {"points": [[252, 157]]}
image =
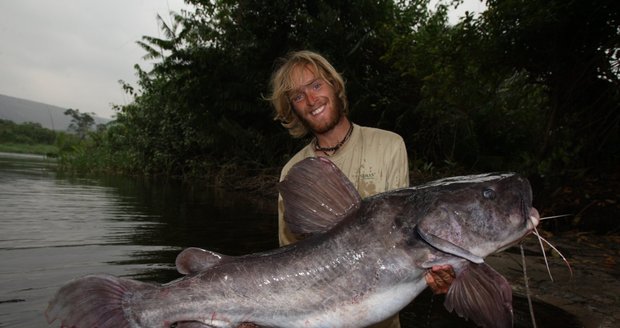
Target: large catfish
{"points": [[362, 260]]}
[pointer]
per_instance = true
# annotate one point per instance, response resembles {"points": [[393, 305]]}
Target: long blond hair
{"points": [[282, 83]]}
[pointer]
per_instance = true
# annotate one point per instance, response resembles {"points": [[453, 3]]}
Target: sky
{"points": [[454, 14], [72, 53]]}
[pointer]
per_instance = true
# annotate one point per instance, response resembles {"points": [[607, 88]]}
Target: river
{"points": [[54, 228]]}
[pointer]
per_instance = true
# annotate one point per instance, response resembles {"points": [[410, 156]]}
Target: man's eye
{"points": [[297, 98]]}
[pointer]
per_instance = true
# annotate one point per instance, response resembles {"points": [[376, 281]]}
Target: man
{"points": [[309, 96]]}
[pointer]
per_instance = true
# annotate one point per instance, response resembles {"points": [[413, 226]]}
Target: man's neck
{"points": [[335, 135]]}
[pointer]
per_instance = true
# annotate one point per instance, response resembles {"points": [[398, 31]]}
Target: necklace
{"points": [[334, 149]]}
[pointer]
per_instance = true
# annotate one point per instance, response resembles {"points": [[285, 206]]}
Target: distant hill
{"points": [[52, 117]]}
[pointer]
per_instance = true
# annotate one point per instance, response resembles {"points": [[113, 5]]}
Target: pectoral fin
{"points": [[482, 295], [317, 196]]}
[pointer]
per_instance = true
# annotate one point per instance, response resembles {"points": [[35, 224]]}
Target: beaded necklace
{"points": [[335, 148]]}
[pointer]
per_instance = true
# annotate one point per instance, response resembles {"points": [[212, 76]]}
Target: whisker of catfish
{"points": [[542, 248], [570, 269], [554, 217], [527, 287]]}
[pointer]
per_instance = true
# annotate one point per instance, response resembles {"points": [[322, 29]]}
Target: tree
{"points": [[570, 47], [81, 123], [528, 81]]}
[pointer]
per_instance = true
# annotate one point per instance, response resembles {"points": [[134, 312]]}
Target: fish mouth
{"points": [[534, 217], [448, 247], [532, 222]]}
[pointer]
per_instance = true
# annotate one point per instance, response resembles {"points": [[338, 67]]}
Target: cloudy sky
{"points": [[72, 53]]}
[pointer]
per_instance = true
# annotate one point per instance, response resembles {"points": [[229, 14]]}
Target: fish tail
{"points": [[93, 301]]}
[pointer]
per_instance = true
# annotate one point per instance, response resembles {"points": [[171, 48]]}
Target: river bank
{"points": [[589, 289]]}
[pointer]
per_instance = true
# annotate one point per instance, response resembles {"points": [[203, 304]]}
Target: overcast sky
{"points": [[71, 53]]}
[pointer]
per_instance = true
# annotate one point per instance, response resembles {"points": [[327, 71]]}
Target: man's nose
{"points": [[310, 97]]}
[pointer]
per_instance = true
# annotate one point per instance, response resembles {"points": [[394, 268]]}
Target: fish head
{"points": [[474, 216]]}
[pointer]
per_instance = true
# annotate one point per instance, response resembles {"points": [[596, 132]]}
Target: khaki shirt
{"points": [[374, 160]]}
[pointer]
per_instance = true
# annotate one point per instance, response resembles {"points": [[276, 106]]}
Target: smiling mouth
{"points": [[318, 111]]}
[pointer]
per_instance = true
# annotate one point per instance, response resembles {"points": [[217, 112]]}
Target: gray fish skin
{"points": [[365, 268]]}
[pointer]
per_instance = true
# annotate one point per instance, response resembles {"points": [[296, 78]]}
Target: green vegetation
{"points": [[27, 138], [20, 148], [81, 123], [25, 133], [80, 151], [529, 86]]}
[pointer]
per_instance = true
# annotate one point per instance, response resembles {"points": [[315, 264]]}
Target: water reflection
{"points": [[55, 228]]}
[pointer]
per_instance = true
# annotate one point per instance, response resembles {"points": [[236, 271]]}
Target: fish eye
{"points": [[489, 193]]}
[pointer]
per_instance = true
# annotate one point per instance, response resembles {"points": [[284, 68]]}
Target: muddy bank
{"points": [[591, 293]]}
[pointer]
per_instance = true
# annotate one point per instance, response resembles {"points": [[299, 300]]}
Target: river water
{"points": [[54, 228]]}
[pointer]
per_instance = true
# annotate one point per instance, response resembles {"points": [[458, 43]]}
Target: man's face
{"points": [[314, 101]]}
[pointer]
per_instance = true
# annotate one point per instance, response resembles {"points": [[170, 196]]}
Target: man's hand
{"points": [[439, 278]]}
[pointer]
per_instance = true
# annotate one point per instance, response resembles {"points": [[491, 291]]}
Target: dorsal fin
{"points": [[193, 260], [482, 295], [317, 195]]}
